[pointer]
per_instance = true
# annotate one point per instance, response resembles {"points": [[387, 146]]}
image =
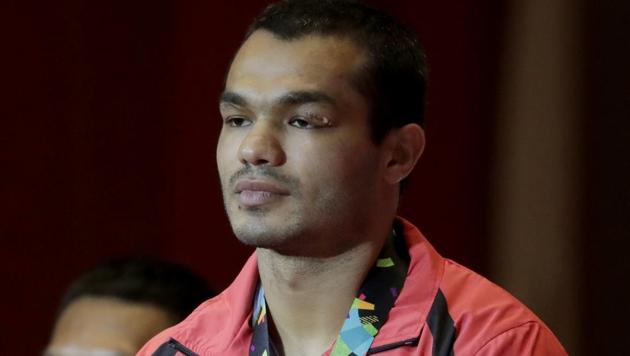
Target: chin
{"points": [[257, 229], [262, 239]]}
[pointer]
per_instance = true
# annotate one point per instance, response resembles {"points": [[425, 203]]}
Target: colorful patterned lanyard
{"points": [[367, 314]]}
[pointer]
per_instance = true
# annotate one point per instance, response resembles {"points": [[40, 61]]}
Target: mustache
{"points": [[265, 172]]}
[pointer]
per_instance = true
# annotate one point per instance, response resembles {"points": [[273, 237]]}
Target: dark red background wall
{"points": [[108, 141], [447, 190]]}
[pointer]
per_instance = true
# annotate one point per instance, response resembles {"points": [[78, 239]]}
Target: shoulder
{"points": [[529, 338], [220, 323], [193, 331], [490, 321]]}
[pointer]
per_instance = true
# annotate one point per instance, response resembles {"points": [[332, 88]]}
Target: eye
{"points": [[300, 122], [237, 121], [309, 122]]}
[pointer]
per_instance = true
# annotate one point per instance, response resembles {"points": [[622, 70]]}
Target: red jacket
{"points": [[443, 309]]}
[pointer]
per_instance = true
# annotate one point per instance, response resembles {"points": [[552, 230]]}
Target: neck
{"points": [[308, 298]]}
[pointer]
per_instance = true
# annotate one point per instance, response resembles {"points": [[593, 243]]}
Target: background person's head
{"points": [[115, 308]]}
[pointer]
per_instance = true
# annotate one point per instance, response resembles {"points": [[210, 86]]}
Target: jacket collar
{"points": [[406, 318]]}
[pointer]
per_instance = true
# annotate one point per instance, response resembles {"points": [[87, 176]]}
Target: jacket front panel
{"points": [[443, 309]]}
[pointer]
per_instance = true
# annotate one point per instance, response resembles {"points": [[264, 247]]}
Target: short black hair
{"points": [[166, 285], [394, 79]]}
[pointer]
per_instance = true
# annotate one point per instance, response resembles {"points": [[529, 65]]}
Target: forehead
{"points": [[271, 66], [103, 323]]}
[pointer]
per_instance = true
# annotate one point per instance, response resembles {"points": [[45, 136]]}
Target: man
{"points": [[322, 114], [115, 308]]}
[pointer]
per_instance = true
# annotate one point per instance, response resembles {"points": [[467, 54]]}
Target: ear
{"points": [[406, 146]]}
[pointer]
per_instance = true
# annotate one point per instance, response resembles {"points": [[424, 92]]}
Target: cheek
{"points": [[336, 163], [226, 154]]}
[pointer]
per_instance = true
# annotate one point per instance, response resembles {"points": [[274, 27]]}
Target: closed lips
{"points": [[259, 186]]}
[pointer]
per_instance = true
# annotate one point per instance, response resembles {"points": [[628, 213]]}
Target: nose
{"points": [[261, 146]]}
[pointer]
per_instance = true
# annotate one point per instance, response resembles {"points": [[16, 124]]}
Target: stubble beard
{"points": [[299, 232], [324, 225], [252, 227], [262, 226]]}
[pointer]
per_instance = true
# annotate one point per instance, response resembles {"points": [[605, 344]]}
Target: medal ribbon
{"points": [[367, 313]]}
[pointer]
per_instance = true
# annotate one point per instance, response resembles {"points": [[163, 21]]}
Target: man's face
{"points": [[295, 156], [103, 326]]}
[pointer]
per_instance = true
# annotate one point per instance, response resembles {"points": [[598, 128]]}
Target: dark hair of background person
{"points": [[167, 285], [394, 78]]}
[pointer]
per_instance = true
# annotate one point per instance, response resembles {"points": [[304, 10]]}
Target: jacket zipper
{"points": [[387, 347], [177, 346]]}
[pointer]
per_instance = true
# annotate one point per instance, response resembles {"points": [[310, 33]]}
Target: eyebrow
{"points": [[229, 97], [291, 98], [305, 97]]}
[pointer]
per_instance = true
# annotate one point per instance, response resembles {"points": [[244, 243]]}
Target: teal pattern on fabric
{"points": [[367, 313], [353, 338]]}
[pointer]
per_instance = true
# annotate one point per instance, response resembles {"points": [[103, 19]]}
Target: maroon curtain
{"points": [[108, 144]]}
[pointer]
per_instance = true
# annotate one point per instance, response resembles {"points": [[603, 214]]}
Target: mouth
{"points": [[255, 193]]}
